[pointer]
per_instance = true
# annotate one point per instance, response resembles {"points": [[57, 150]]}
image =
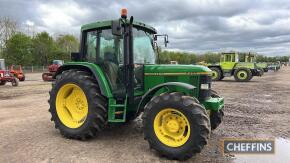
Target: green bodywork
{"points": [[251, 58], [274, 66], [230, 61], [153, 75], [262, 65]]}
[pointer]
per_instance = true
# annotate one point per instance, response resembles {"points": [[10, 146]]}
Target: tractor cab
{"points": [[249, 57], [229, 60], [106, 49]]}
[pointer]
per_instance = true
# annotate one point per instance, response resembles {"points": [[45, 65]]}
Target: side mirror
{"points": [[75, 56], [116, 28], [166, 40]]}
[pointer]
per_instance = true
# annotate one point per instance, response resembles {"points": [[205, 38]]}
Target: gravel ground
{"points": [[257, 109]]}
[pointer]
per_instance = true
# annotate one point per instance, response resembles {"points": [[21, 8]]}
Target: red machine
{"points": [[47, 76], [6, 76], [17, 72]]}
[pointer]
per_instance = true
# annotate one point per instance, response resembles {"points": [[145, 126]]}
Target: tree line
{"points": [[19, 48], [191, 58]]}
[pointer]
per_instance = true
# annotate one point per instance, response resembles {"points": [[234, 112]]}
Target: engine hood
{"points": [[170, 69]]}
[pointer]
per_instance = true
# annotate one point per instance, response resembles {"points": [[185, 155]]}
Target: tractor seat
{"points": [[111, 69]]}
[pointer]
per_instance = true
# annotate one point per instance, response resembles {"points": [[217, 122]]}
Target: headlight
{"points": [[204, 86]]}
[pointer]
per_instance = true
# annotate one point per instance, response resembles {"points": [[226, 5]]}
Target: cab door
{"points": [[228, 62]]}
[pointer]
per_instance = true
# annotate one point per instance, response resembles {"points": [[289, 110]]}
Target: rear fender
{"points": [[94, 69]]}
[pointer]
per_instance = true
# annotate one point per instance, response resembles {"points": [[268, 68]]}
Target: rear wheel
{"points": [[175, 125], [243, 75], [76, 105], [216, 73]]}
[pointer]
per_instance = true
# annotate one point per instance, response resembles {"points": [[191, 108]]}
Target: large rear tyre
{"points": [[176, 126], [216, 74], [243, 75], [77, 108]]}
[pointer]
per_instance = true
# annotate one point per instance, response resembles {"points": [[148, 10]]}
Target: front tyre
{"points": [[243, 75], [76, 105], [175, 125], [216, 117]]}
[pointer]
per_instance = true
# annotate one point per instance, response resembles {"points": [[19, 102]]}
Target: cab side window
{"points": [[91, 46]]}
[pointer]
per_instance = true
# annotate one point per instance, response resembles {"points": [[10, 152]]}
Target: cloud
{"points": [[192, 25], [61, 16]]}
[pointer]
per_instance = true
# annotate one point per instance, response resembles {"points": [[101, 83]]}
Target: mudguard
{"points": [[92, 68], [148, 95]]}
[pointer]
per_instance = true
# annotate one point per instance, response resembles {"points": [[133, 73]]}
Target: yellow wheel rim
{"points": [[71, 105], [171, 127], [214, 74], [242, 74]]}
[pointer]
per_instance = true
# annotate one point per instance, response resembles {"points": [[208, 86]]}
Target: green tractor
{"points": [[275, 66], [114, 78], [231, 66], [250, 57]]}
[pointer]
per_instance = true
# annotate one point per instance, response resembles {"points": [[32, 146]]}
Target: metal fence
{"points": [[32, 69]]}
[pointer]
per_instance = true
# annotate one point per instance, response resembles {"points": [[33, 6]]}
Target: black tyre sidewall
{"points": [[249, 75], [219, 73], [194, 138], [73, 132]]}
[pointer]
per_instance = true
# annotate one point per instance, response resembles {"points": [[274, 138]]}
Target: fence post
{"points": [[31, 68]]}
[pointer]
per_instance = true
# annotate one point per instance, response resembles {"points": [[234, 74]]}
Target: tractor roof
{"points": [[108, 23]]}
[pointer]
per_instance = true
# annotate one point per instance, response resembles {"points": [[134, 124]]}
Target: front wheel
{"points": [[175, 125], [243, 75], [216, 117]]}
